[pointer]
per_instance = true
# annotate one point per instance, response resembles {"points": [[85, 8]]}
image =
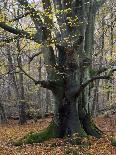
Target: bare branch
{"points": [[45, 84], [15, 31], [34, 55], [89, 81], [81, 88], [103, 69]]}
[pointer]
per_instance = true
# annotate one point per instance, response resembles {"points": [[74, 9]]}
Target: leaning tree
{"points": [[65, 31]]}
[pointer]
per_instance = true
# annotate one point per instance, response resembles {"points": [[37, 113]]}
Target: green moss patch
{"points": [[113, 142], [38, 137]]}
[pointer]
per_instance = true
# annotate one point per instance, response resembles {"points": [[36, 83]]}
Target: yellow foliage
{"points": [[110, 57], [2, 16]]}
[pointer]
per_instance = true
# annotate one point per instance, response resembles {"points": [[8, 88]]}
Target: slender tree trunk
{"points": [[22, 102], [3, 118], [48, 102], [95, 104]]}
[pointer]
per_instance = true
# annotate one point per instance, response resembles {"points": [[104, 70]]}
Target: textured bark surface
{"points": [[71, 118]]}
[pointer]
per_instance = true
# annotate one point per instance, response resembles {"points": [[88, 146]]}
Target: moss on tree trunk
{"points": [[90, 127]]}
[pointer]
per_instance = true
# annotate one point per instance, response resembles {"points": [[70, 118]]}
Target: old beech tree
{"points": [[65, 30]]}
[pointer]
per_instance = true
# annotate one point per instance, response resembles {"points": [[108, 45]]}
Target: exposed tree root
{"points": [[90, 128], [50, 132]]}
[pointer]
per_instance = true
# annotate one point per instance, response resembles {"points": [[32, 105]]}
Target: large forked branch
{"points": [[14, 31], [89, 81], [81, 88]]}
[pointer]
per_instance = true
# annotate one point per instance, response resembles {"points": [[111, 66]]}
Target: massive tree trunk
{"points": [[72, 114], [71, 118], [67, 117], [72, 69]]}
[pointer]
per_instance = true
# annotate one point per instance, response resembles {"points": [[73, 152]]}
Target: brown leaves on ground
{"points": [[13, 131]]}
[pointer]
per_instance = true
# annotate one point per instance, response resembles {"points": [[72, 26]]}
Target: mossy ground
{"points": [[37, 137]]}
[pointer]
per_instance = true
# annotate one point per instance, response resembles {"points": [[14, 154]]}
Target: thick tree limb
{"points": [[76, 90], [103, 69], [89, 81], [15, 31], [21, 33], [81, 88]]}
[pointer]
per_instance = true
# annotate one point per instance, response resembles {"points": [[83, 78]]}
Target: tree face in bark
{"points": [[68, 61]]}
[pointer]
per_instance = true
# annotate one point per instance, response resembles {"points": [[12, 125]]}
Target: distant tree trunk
{"points": [[18, 90], [12, 78], [48, 102], [39, 92], [111, 82], [95, 105], [22, 102], [3, 118]]}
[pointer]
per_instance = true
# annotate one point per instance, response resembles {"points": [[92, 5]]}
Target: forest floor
{"points": [[13, 131]]}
